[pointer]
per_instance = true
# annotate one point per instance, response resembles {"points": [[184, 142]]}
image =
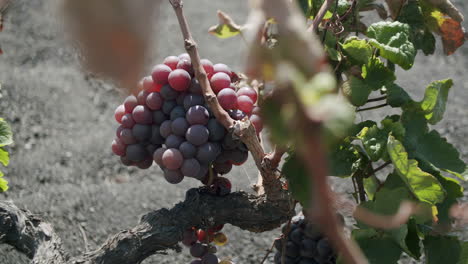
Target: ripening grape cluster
{"points": [[169, 122], [200, 245], [304, 245]]}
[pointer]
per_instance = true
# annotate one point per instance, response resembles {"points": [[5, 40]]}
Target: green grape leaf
{"points": [[378, 248], [356, 90], [3, 183], [435, 100], [415, 125], [305, 6], [436, 150], [374, 139], [376, 74], [420, 35], [341, 159], [371, 185], [412, 240], [397, 96], [391, 38], [422, 184], [358, 51], [272, 116], [4, 157], [6, 136], [298, 179], [445, 249]]}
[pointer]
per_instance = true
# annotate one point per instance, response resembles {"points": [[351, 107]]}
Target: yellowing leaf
{"points": [[226, 27]]}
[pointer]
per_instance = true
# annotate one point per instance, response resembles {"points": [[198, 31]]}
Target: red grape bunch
{"points": [[169, 121], [200, 244], [305, 244]]}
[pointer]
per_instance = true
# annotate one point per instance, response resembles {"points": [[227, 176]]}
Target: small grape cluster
{"points": [[305, 244], [199, 241], [169, 121]]}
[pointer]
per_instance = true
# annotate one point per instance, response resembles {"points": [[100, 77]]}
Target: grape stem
{"points": [[320, 15], [242, 129]]}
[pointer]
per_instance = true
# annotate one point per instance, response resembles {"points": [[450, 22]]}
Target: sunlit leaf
{"points": [[226, 27], [4, 157], [435, 100], [359, 51], [3, 183], [6, 136]]}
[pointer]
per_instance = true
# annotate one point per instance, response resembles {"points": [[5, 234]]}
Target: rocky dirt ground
{"points": [[62, 167]]}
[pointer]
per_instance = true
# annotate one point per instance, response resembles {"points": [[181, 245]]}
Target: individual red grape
{"points": [[136, 152], [237, 157], [256, 111], [145, 164], [179, 126], [245, 104], [208, 66], [220, 67], [172, 159], [127, 121], [118, 147], [129, 103], [118, 131], [165, 129], [119, 113], [168, 93], [190, 168], [173, 176], [257, 123], [157, 155], [179, 80], [171, 61], [141, 132], [125, 161], [221, 186], [197, 115], [142, 115], [160, 73], [197, 135], [186, 65], [222, 168], [184, 56], [219, 81], [154, 101], [126, 135], [150, 86], [141, 97], [227, 99], [250, 92], [188, 150]]}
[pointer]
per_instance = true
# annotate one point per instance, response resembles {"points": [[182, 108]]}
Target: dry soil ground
{"points": [[62, 167]]}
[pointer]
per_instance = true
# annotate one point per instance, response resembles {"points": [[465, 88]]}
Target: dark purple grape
{"points": [[168, 106], [243, 147], [324, 247], [237, 157], [209, 258], [157, 155], [189, 237], [173, 176], [229, 143], [165, 129], [292, 250], [190, 168], [127, 121], [195, 87], [222, 168], [118, 131], [125, 161], [308, 248], [197, 135], [196, 261], [159, 117], [173, 141], [177, 112], [309, 261], [151, 149], [193, 100], [154, 101], [180, 98], [188, 150], [145, 164], [142, 115], [208, 152], [179, 126], [296, 236], [197, 115], [156, 137], [236, 114], [126, 135], [198, 250], [136, 152], [141, 132], [168, 93], [202, 173], [216, 130], [172, 159]]}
